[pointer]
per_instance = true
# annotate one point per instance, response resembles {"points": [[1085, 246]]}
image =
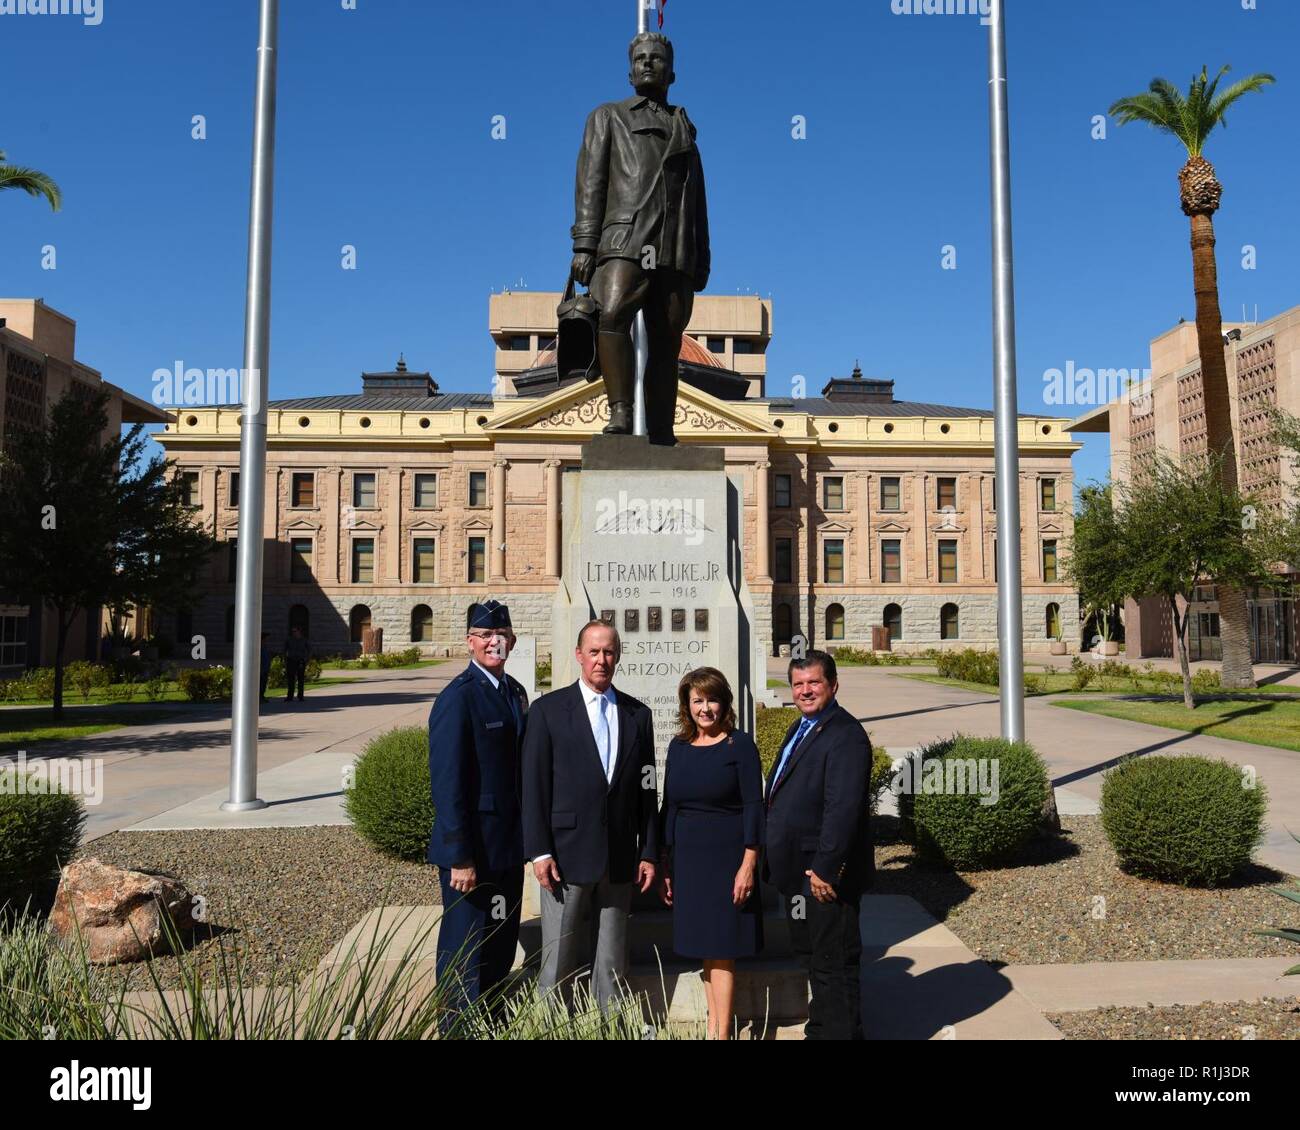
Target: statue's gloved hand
{"points": [[584, 266]]}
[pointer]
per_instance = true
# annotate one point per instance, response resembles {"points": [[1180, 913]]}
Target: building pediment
{"points": [[581, 410], [301, 526], [362, 526], [477, 523], [1051, 528], [425, 526], [834, 528], [893, 527]]}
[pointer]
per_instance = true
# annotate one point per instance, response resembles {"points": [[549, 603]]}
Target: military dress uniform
{"points": [[476, 732]]}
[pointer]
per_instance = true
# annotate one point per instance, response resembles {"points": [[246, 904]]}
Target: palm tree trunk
{"points": [[1234, 629]]}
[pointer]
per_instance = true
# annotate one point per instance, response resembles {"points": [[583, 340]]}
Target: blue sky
{"points": [[385, 143]]}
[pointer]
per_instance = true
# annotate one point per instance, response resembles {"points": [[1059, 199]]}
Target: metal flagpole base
{"points": [[243, 805]]}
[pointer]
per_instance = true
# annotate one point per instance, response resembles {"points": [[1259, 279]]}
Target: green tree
{"points": [[1177, 525], [1095, 562], [87, 522], [30, 181], [1191, 119]]}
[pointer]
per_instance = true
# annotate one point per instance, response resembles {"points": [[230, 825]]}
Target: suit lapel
{"points": [[580, 723], [800, 751], [626, 738]]}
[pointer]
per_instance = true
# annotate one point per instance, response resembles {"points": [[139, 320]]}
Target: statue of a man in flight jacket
{"points": [[641, 234]]}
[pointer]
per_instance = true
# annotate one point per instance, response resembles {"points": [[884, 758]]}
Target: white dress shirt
{"points": [[492, 678], [595, 702]]}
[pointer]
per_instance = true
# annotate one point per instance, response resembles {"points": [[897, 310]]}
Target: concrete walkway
{"points": [[1096, 984], [182, 766]]}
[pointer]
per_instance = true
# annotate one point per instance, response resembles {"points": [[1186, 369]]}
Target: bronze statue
{"points": [[641, 236]]}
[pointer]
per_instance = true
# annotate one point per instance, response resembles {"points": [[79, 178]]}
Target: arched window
{"points": [[358, 621], [421, 624], [893, 620], [299, 618], [835, 622], [1053, 621], [230, 624], [782, 623], [949, 624]]}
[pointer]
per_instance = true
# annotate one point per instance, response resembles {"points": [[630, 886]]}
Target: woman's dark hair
{"points": [[712, 684]]}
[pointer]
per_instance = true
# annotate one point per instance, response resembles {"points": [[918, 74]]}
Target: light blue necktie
{"points": [[789, 750], [603, 739]]}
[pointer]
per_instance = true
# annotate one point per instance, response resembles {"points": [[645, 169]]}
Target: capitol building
{"points": [[396, 505]]}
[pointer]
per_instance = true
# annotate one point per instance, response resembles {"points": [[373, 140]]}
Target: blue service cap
{"points": [[489, 614]]}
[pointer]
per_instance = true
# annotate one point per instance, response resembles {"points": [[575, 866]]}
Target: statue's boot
{"points": [[661, 402], [618, 367]]}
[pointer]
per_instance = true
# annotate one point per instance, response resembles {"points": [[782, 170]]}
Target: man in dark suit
{"points": [[476, 731], [818, 851], [641, 234], [589, 814]]}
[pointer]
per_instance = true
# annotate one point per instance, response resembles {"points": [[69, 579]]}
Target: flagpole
{"points": [[1011, 687], [252, 433], [640, 339]]}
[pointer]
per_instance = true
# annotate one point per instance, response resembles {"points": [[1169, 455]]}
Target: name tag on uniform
{"points": [[495, 725]]}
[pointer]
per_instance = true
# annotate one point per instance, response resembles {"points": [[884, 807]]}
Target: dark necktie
{"points": [[503, 690]]}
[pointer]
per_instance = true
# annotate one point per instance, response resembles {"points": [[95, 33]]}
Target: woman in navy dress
{"points": [[712, 832]]}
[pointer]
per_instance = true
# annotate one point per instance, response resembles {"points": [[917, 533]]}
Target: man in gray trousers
{"points": [[589, 814]]}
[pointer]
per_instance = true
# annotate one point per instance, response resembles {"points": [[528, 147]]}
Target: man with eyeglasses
{"points": [[476, 730]]}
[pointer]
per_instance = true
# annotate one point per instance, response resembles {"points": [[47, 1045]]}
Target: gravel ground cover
{"points": [[1270, 1019], [1070, 902], [284, 896]]}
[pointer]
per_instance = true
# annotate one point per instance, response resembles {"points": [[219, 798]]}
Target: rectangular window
{"points": [[833, 561], [232, 559], [891, 561], [743, 345], [363, 490], [833, 493], [1047, 494], [1049, 562], [717, 345], [426, 492], [891, 493], [948, 562], [300, 572], [423, 557], [190, 488], [995, 561], [781, 491], [994, 482], [478, 488], [363, 561], [947, 493], [13, 639], [783, 562], [234, 490], [302, 490], [521, 341], [477, 567]]}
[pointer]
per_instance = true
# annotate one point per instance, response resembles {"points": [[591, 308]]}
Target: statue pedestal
{"points": [[652, 541]]}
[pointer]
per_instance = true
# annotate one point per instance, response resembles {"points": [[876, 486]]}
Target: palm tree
{"points": [[1191, 120], [30, 181]]}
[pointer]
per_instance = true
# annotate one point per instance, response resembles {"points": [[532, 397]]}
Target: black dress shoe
{"points": [[664, 441]]}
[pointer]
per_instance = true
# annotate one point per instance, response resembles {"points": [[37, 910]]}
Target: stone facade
{"points": [[818, 507]]}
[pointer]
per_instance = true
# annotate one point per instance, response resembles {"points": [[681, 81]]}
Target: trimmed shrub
{"points": [[969, 665], [1188, 820], [155, 687], [275, 673], [313, 672], [40, 830], [87, 677], [389, 801], [204, 684], [38, 683], [945, 816]]}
